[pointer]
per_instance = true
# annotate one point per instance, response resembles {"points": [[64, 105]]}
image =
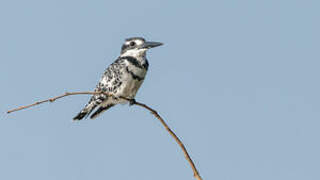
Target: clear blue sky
{"points": [[238, 81]]}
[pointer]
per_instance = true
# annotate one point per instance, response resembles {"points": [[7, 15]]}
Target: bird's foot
{"points": [[132, 102]]}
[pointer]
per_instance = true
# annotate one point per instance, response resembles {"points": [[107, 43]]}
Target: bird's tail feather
{"points": [[85, 111], [100, 110]]}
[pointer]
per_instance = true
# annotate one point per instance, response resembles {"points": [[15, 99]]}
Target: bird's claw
{"points": [[132, 102]]}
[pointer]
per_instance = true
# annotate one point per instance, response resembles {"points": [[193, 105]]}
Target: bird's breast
{"points": [[132, 79]]}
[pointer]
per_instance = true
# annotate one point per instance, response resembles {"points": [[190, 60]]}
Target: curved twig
{"points": [[175, 137], [154, 112]]}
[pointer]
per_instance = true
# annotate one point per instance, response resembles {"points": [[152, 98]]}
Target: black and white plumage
{"points": [[122, 78]]}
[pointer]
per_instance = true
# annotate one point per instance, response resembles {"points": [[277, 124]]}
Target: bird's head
{"points": [[137, 46]]}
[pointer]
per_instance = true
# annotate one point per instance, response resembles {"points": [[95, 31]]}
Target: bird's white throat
{"points": [[137, 53]]}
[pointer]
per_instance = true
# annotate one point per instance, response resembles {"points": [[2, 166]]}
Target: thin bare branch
{"points": [[55, 98], [154, 112], [175, 137]]}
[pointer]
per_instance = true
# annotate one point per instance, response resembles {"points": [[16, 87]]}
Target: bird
{"points": [[122, 78]]}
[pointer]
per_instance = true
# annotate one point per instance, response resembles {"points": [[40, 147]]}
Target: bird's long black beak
{"points": [[149, 45]]}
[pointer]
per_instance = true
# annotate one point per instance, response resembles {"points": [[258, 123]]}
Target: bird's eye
{"points": [[132, 43]]}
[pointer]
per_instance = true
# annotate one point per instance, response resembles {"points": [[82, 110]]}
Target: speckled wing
{"points": [[110, 83]]}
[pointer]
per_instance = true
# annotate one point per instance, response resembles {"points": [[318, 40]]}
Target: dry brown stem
{"points": [[154, 112]]}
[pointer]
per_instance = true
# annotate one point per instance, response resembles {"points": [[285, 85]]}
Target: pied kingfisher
{"points": [[122, 78]]}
